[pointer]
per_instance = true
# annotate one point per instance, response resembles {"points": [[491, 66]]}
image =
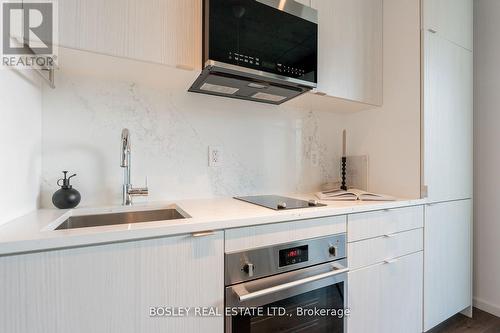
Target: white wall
{"points": [[20, 142], [390, 135], [266, 149], [487, 156]]}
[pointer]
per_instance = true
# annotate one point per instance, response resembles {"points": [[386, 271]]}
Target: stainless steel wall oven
{"points": [[293, 287]]}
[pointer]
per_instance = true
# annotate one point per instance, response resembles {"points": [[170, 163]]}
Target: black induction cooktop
{"points": [[277, 202]]}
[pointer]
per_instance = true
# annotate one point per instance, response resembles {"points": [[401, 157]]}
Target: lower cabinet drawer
{"points": [[375, 250], [387, 297], [375, 224]]}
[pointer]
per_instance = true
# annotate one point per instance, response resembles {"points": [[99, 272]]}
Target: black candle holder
{"points": [[344, 165]]}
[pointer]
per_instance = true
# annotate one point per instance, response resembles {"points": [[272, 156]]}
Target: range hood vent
{"points": [[258, 50], [229, 83]]}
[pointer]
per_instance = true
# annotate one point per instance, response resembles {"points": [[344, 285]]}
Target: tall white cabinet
{"points": [[447, 119], [447, 132]]}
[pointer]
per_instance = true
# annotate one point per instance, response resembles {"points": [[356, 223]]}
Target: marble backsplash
{"points": [[266, 149]]}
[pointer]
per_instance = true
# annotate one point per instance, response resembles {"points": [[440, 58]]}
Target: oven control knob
{"points": [[248, 268], [333, 250]]}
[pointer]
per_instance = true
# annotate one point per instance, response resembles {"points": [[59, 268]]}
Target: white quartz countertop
{"points": [[35, 231]]}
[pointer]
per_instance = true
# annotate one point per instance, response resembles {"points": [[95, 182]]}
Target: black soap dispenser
{"points": [[66, 197]]}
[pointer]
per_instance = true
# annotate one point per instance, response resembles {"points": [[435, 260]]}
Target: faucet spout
{"points": [[125, 148], [128, 191]]}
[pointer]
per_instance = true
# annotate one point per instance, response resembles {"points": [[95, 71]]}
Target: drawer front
{"points": [[240, 239], [377, 250], [384, 222]]}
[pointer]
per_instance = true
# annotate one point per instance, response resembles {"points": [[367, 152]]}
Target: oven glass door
{"points": [[255, 35], [315, 306]]}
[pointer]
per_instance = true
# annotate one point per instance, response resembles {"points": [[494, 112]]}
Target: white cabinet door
{"points": [[387, 297], [350, 57], [160, 31], [448, 119], [451, 19], [447, 248], [110, 288]]}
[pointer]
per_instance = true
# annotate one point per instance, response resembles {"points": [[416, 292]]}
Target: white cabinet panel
{"points": [[384, 222], [447, 280], [240, 239], [387, 297], [350, 55], [451, 19], [110, 288], [160, 31], [372, 251], [448, 119]]}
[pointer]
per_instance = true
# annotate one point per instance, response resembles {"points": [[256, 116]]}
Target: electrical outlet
{"points": [[314, 158], [214, 156]]}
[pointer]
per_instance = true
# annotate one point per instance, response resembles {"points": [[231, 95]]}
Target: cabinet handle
{"points": [[432, 31], [203, 233], [390, 261], [389, 235], [245, 296]]}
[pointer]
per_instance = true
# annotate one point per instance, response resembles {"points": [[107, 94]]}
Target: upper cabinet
{"points": [[350, 57], [451, 19], [169, 32], [165, 31]]}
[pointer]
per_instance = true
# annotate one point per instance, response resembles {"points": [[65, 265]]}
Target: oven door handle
{"points": [[245, 296]]}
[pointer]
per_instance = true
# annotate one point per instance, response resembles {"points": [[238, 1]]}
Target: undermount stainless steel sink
{"points": [[98, 220]]}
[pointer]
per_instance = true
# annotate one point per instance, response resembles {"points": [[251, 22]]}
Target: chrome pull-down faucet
{"points": [[128, 191]]}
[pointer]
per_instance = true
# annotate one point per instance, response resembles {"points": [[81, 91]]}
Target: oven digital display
{"points": [[294, 255]]}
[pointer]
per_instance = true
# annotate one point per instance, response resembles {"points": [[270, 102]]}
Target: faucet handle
{"points": [[138, 191]]}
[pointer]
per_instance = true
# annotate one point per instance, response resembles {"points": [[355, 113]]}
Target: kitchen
{"points": [[191, 204]]}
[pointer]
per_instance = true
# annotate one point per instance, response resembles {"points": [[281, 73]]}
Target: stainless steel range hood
{"points": [[226, 80], [256, 50]]}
